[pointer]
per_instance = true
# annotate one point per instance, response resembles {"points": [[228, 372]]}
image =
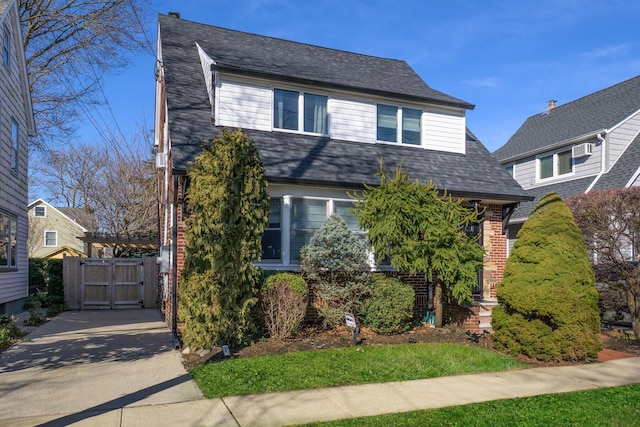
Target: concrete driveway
{"points": [[86, 363]]}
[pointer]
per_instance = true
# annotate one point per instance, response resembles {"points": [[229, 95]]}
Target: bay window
{"points": [[272, 237], [307, 216]]}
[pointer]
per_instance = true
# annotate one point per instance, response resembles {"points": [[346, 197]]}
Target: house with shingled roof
{"points": [[323, 121], [16, 126], [588, 144]]}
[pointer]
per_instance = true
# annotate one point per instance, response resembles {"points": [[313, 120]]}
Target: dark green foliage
{"points": [[422, 232], [283, 301], [549, 304], [335, 262], [9, 331], [389, 309], [45, 281], [229, 206]]}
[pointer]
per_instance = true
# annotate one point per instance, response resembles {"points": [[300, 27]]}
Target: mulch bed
{"points": [[313, 338]]}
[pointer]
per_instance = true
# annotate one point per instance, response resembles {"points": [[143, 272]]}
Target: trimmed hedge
{"points": [[549, 303], [389, 309]]}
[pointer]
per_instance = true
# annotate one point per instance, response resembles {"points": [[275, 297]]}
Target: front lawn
{"points": [[616, 406], [345, 366]]}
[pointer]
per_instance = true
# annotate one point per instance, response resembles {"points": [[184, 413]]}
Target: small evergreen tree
{"points": [[549, 304], [421, 231], [229, 207], [335, 262]]}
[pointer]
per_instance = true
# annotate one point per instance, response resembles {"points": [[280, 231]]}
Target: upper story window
{"points": [[40, 211], [388, 118], [556, 164], [6, 45], [51, 239], [15, 134], [509, 169], [299, 111], [8, 230]]}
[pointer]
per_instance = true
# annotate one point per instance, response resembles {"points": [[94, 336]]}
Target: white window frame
{"points": [[15, 145], [301, 94], [399, 125], [55, 233], [9, 240], [44, 211], [511, 165], [286, 260], [555, 160]]}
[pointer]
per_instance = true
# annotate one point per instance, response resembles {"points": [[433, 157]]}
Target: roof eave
{"points": [[292, 79], [560, 144]]}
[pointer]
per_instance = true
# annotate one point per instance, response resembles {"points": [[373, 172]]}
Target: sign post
{"points": [[350, 320]]}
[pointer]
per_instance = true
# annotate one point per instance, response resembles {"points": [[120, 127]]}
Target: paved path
{"points": [[86, 373]]}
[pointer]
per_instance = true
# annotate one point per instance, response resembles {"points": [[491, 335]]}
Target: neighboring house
{"points": [[56, 232], [588, 144], [16, 126], [322, 120]]}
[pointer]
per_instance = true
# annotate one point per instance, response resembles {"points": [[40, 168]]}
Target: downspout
{"points": [[174, 264], [603, 161]]}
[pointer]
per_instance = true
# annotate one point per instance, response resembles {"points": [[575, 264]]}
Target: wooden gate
{"points": [[109, 283]]}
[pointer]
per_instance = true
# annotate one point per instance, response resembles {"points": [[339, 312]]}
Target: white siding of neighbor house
{"points": [[352, 120], [621, 136], [243, 105], [526, 170], [444, 130]]}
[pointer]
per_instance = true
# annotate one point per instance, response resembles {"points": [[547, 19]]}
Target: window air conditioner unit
{"points": [[582, 150], [161, 160]]}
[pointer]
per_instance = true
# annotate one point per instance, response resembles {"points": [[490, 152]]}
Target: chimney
{"points": [[552, 104], [174, 14]]}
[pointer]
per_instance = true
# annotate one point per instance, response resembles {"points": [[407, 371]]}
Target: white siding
{"points": [[621, 137], [444, 131], [242, 105], [352, 120]]}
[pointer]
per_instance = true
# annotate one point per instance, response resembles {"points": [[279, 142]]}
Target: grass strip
{"points": [[608, 407], [345, 366]]}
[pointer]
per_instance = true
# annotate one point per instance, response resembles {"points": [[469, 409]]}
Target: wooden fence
{"points": [[109, 283]]}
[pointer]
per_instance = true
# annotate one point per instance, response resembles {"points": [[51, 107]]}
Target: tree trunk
{"points": [[437, 301], [633, 293]]}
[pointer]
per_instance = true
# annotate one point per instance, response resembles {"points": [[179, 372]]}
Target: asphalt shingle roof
{"points": [[584, 116], [303, 158]]}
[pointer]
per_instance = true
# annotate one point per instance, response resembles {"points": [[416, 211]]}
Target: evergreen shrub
{"points": [[389, 309], [335, 264], [548, 300], [283, 301]]}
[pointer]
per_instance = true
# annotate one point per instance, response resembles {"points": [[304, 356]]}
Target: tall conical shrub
{"points": [[548, 301]]}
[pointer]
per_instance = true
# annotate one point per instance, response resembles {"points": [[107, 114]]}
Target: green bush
{"points": [[283, 301], [549, 303], [389, 309], [335, 262], [45, 279], [9, 332]]}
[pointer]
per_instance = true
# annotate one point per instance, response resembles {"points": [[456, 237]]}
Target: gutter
{"points": [[603, 161], [546, 148], [174, 262]]}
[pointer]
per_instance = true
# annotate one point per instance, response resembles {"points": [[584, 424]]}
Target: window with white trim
{"points": [[509, 169], [272, 237], [50, 239], [40, 211], [300, 112], [554, 165], [15, 140], [388, 130], [8, 239]]}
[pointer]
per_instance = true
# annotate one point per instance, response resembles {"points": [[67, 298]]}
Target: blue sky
{"points": [[508, 58]]}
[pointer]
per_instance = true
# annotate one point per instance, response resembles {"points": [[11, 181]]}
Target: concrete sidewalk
{"points": [[117, 368]]}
